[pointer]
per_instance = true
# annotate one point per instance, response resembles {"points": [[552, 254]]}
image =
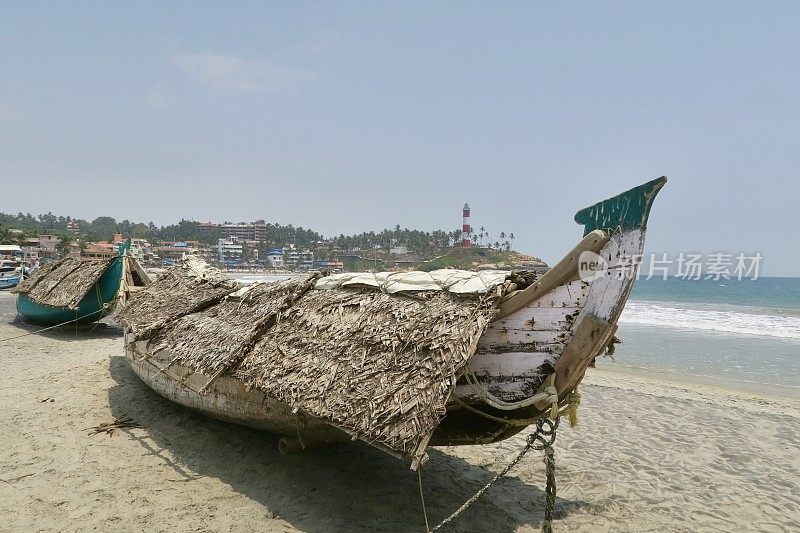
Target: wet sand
{"points": [[649, 455]]}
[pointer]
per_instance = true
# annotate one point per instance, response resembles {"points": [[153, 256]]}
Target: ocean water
{"points": [[728, 331]]}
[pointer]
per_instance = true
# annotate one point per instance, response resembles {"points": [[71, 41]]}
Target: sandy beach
{"points": [[650, 454]]}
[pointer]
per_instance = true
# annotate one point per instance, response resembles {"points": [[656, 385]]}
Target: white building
{"points": [[229, 250], [10, 251], [275, 258], [398, 249]]}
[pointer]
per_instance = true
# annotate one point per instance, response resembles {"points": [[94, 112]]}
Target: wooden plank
{"points": [[564, 271], [572, 294], [591, 335], [540, 319], [493, 337], [609, 292], [509, 376], [510, 363], [509, 390], [554, 347], [550, 325]]}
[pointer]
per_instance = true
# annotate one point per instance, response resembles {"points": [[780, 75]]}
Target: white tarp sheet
{"points": [[447, 279]]}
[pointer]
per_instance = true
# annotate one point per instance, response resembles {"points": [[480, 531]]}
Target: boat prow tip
{"points": [[626, 211]]}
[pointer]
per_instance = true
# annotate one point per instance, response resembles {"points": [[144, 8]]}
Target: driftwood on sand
{"points": [[380, 367], [63, 283]]}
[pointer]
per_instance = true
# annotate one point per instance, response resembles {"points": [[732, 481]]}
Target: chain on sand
{"points": [[541, 439]]}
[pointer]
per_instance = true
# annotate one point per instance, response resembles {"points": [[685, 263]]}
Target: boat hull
{"points": [[9, 282], [227, 399], [91, 308]]}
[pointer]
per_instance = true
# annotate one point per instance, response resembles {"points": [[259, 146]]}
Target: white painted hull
{"points": [[517, 352], [227, 400]]}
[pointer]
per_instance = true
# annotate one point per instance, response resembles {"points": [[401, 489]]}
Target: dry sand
{"points": [[649, 455]]}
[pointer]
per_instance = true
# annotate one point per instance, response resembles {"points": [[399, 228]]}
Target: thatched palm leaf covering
{"points": [[187, 288], [378, 366], [63, 283], [218, 336]]}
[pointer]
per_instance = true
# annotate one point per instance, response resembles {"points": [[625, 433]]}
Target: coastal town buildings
{"points": [[261, 245], [398, 249], [295, 259]]}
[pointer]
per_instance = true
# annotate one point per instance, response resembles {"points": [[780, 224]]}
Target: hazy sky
{"points": [[346, 117]]}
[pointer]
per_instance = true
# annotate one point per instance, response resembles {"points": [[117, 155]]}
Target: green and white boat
{"points": [[79, 291]]}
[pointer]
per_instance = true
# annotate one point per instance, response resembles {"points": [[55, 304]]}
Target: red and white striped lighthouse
{"points": [[466, 229]]}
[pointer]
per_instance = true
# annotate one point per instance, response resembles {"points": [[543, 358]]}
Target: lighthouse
{"points": [[466, 229]]}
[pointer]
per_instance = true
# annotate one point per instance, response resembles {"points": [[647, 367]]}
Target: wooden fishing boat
{"points": [[426, 375], [77, 291]]}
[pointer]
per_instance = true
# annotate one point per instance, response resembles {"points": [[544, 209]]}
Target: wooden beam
{"points": [[564, 271], [591, 336]]}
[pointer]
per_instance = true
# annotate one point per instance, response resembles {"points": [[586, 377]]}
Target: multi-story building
{"points": [[171, 252], [11, 251], [229, 251], [249, 231], [99, 250], [41, 247], [141, 249], [275, 258], [298, 260], [238, 231]]}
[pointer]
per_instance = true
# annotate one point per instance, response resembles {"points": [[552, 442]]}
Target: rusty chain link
{"points": [[541, 439]]}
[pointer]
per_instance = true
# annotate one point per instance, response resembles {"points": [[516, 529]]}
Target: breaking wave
{"points": [[724, 319]]}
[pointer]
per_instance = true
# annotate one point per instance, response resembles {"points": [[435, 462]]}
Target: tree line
{"points": [[275, 235]]}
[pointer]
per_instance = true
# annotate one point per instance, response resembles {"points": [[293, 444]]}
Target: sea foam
{"points": [[729, 319]]}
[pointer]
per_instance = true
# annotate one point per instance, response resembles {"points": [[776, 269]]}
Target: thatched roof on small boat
{"points": [[379, 366], [63, 283]]}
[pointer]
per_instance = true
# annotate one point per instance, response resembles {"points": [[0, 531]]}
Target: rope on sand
{"points": [[541, 439], [102, 310], [51, 327]]}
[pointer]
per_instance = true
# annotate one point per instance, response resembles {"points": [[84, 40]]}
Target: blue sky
{"points": [[346, 116]]}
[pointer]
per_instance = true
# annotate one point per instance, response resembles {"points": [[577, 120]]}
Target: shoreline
{"points": [[609, 374]]}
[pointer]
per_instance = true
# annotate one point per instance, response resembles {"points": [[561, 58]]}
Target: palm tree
{"points": [[64, 244], [483, 232], [511, 237], [5, 236], [502, 235], [497, 245]]}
